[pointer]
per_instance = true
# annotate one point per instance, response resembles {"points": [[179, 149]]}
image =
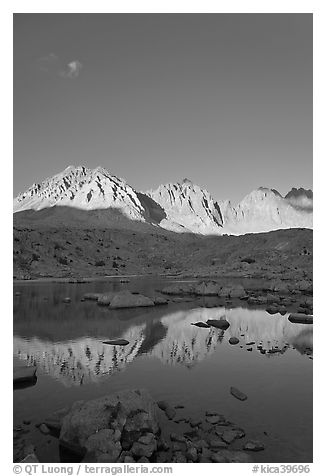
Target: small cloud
{"points": [[72, 70], [51, 64]]}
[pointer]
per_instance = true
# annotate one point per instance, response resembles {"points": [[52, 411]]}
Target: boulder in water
{"points": [[234, 341], [218, 323], [126, 299], [116, 342], [238, 394]]}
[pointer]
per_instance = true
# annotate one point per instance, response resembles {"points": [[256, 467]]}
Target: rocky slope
{"points": [[180, 207]]}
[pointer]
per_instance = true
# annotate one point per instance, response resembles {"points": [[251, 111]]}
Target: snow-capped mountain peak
{"points": [[82, 188], [182, 206]]}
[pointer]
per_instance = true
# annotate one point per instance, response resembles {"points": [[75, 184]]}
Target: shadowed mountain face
{"points": [[180, 207]]}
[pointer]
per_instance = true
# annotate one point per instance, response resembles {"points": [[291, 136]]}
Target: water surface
{"points": [[171, 358]]}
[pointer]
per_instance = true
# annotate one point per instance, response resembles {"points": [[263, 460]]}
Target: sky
{"points": [[222, 99]]}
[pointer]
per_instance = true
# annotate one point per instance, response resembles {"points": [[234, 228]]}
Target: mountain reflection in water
{"points": [[169, 337]]}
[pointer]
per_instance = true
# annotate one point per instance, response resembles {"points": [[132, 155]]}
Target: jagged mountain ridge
{"points": [[179, 207]]}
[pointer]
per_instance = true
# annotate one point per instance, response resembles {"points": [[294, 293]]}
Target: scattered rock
{"points": [[178, 438], [217, 443], [272, 309], [254, 446], [229, 435], [215, 419], [192, 454], [129, 459], [116, 342], [193, 422], [162, 457], [238, 394], [178, 457], [162, 444], [145, 446]]}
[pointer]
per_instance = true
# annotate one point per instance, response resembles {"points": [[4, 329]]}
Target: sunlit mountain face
{"points": [[170, 338], [181, 207]]}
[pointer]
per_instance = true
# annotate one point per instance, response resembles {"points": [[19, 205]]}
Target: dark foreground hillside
{"points": [[52, 249]]}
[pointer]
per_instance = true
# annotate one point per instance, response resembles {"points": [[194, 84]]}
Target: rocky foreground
{"points": [[128, 427]]}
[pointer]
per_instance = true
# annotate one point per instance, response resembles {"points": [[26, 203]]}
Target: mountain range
{"points": [[181, 207]]}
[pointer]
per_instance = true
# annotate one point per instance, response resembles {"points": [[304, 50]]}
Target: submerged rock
{"points": [[238, 394]]}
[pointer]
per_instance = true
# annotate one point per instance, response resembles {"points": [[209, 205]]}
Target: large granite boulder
{"points": [[126, 299], [105, 426], [207, 288]]}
